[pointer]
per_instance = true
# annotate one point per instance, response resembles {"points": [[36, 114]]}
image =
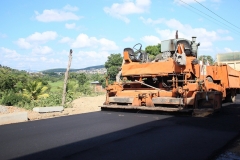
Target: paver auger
{"points": [[174, 81]]}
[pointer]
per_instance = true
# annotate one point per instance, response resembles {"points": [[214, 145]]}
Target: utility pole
{"points": [[66, 78]]}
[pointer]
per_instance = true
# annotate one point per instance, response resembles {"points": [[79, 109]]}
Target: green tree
{"points": [[11, 80], [72, 86], [19, 86], [35, 90], [72, 89], [206, 58], [86, 88], [95, 77], [82, 78], [73, 75], [113, 64], [7, 81], [153, 50], [102, 80]]}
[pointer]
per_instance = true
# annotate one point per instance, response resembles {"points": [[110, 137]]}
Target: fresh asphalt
{"points": [[122, 135]]}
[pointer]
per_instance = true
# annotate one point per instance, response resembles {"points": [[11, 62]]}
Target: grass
{"points": [[56, 86]]}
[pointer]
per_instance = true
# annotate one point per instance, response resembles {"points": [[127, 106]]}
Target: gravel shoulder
{"points": [[80, 105]]}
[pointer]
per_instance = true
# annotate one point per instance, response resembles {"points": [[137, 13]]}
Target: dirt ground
{"points": [[80, 105]]}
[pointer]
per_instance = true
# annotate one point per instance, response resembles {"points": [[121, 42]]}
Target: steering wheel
{"points": [[139, 54], [139, 48]]}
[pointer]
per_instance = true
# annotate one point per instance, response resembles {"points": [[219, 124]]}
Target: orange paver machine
{"points": [[174, 81]]}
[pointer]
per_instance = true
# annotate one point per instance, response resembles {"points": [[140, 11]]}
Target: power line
{"points": [[216, 14], [210, 16]]}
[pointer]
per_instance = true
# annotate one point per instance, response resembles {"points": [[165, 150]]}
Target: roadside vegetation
{"points": [[29, 90]]}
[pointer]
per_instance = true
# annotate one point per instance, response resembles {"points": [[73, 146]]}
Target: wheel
{"points": [[231, 96]]}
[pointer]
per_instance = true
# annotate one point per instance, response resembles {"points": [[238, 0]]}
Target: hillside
{"points": [[73, 70]]}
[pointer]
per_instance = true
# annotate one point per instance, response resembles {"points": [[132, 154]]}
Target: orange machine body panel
{"points": [[155, 68]]}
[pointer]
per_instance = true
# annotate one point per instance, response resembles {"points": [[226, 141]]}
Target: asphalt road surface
{"points": [[122, 135]]}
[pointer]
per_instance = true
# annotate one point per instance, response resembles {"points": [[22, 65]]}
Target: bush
{"points": [[53, 100], [11, 99], [86, 89]]}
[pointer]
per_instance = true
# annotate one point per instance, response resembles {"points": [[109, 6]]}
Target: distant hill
{"points": [[73, 70]]}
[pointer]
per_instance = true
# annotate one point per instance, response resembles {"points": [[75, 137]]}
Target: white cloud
{"points": [[41, 50], [93, 51], [203, 36], [70, 8], [151, 40], [30, 60], [167, 34], [42, 37], [22, 43], [127, 7], [34, 42], [128, 39], [175, 24], [65, 40], [83, 41], [43, 58], [8, 53], [70, 25], [49, 60], [206, 44], [107, 45], [221, 31], [53, 60], [84, 58], [228, 50], [36, 39], [93, 54], [53, 15], [186, 31], [151, 21]]}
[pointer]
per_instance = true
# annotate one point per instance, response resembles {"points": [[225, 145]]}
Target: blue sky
{"points": [[37, 35]]}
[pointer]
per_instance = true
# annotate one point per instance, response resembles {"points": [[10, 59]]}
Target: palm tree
{"points": [[35, 90]]}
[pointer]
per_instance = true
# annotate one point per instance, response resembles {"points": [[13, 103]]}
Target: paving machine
{"points": [[174, 81]]}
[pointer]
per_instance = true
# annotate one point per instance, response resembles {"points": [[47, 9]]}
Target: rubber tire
{"points": [[231, 97]]}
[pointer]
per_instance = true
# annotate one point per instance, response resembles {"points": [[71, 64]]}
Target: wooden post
{"points": [[66, 78]]}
